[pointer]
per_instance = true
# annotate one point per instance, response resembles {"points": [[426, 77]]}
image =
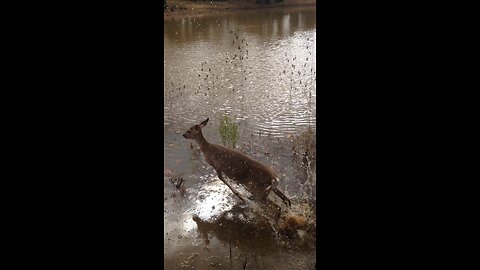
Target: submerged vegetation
{"points": [[304, 153], [304, 145], [228, 131], [179, 183]]}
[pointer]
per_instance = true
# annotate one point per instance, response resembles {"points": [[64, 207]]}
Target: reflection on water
{"points": [[211, 200], [259, 67], [266, 25]]}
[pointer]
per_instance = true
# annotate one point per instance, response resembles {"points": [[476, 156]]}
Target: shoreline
{"points": [[195, 9]]}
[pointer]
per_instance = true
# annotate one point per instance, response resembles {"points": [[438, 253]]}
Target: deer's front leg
{"points": [[231, 188]]}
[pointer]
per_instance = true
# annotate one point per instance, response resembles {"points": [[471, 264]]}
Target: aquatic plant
{"points": [[304, 150], [179, 183], [304, 145], [228, 131]]}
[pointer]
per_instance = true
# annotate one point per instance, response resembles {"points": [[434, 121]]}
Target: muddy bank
{"points": [[180, 8]]}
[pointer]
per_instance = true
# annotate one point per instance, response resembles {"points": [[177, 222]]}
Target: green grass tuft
{"points": [[228, 131]]}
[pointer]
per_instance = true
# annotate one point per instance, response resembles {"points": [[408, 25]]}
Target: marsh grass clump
{"points": [[304, 145], [228, 131], [299, 226], [304, 153]]}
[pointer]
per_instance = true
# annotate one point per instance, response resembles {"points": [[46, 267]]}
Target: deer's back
{"points": [[236, 164]]}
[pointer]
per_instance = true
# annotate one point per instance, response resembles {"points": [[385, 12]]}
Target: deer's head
{"points": [[195, 130]]}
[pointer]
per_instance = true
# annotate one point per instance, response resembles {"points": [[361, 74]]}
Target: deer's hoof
{"points": [[289, 204]]}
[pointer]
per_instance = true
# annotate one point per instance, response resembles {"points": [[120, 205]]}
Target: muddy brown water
{"points": [[258, 67]]}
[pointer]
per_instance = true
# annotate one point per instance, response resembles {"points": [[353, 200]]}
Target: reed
{"points": [[228, 131]]}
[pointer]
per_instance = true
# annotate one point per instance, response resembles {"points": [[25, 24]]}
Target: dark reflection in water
{"points": [[259, 67], [234, 226], [269, 25]]}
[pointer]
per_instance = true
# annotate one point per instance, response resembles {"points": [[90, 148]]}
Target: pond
{"points": [[258, 68]]}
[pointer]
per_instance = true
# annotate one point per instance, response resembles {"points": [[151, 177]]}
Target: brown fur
{"points": [[258, 178]]}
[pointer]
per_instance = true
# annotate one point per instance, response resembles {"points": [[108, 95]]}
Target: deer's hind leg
{"points": [[284, 198], [263, 197], [275, 207]]}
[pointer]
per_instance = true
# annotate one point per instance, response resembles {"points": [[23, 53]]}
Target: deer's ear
{"points": [[204, 123]]}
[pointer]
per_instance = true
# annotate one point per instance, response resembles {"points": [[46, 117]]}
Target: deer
{"points": [[258, 178]]}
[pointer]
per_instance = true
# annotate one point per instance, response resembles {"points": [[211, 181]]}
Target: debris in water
{"points": [[178, 183]]}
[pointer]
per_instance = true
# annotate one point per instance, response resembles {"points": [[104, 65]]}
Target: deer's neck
{"points": [[202, 142]]}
